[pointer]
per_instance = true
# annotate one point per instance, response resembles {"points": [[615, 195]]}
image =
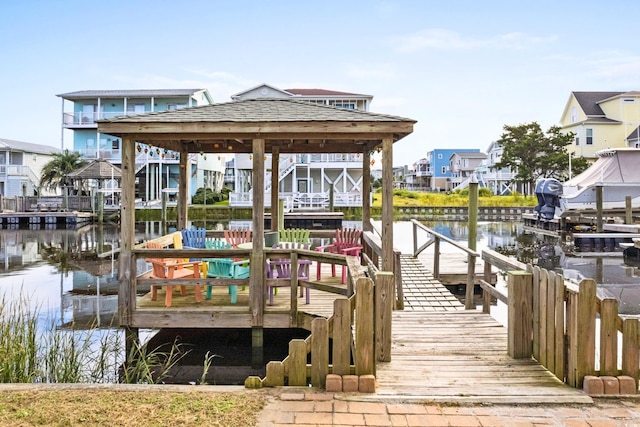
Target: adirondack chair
{"points": [[281, 268], [171, 268], [225, 268], [296, 235], [235, 237], [194, 238], [346, 242]]}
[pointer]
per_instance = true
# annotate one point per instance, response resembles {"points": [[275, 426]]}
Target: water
{"points": [[70, 286]]}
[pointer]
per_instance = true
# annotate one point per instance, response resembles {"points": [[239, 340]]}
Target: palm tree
{"points": [[54, 174]]}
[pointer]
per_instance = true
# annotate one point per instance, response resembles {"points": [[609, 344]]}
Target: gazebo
{"points": [[257, 126]]}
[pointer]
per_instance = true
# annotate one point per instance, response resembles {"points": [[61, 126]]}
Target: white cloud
{"points": [[376, 71], [442, 39]]}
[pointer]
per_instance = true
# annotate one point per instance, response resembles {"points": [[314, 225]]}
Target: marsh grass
{"points": [[54, 355], [455, 199]]}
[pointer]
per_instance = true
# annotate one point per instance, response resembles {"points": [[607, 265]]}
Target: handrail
{"points": [[435, 240]]}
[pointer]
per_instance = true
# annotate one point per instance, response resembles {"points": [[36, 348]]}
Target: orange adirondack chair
{"points": [[346, 242], [171, 268]]}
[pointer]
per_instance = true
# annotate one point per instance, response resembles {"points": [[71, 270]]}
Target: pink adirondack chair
{"points": [[346, 242], [235, 237]]}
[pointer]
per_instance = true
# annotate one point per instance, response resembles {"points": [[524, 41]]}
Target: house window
{"points": [[444, 170], [589, 136], [577, 140], [574, 114], [135, 108], [176, 106], [346, 105], [115, 144], [440, 156]]}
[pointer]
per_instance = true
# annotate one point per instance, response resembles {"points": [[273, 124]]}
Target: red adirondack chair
{"points": [[346, 242]]}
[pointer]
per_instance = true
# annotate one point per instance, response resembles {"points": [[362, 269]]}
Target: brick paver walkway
{"points": [[306, 407]]}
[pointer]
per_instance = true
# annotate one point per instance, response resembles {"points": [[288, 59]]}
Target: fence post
{"points": [[365, 360], [383, 314], [469, 304], [520, 322], [399, 291], [319, 352], [630, 348], [608, 337], [341, 355], [297, 362], [586, 330]]}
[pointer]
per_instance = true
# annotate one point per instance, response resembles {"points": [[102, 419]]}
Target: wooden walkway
{"points": [[444, 353]]}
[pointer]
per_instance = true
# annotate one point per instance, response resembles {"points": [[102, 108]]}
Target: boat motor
{"points": [[548, 192]]}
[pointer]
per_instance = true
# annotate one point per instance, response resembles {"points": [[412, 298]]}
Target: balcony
{"points": [[88, 120]]}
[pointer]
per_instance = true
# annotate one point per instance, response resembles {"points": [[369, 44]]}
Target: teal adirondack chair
{"points": [[225, 268]]}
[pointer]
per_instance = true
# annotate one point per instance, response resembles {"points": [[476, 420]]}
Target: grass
{"points": [[128, 408], [455, 199]]}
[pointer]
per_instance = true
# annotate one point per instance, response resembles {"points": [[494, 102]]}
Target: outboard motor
{"points": [[539, 186], [551, 192]]}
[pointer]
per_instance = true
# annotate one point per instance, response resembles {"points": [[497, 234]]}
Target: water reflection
{"points": [[72, 274]]}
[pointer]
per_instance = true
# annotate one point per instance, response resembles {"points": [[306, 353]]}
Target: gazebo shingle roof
{"points": [[97, 169], [260, 110]]}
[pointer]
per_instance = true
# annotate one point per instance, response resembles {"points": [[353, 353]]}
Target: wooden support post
{"points": [[572, 339], [126, 260], [599, 208], [293, 320], [275, 188], [520, 317], [332, 191], [486, 296], [383, 315], [543, 286], [319, 352], [550, 317], [586, 331], [366, 191], [608, 337], [365, 360], [436, 258], [100, 207], [473, 214], [297, 363], [399, 291], [280, 214], [163, 213], [628, 210], [469, 303], [257, 346], [183, 188], [341, 354], [630, 343], [256, 278], [387, 203]]}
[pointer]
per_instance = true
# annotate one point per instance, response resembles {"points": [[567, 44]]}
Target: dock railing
{"points": [[360, 326], [436, 239], [554, 321]]}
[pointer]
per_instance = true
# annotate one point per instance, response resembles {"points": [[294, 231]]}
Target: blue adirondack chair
{"points": [[225, 268], [194, 238]]}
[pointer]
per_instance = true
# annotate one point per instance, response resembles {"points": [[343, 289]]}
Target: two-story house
{"points": [[499, 181], [462, 165], [21, 165], [602, 120], [157, 170], [305, 180]]}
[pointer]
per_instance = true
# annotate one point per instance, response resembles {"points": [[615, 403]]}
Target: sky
{"points": [[461, 69]]}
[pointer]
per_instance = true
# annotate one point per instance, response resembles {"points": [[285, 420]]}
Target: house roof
{"points": [[27, 147], [131, 93], [294, 126], [589, 101], [97, 169], [635, 135], [263, 85], [470, 155], [325, 93]]}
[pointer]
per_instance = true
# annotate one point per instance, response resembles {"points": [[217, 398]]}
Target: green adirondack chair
{"points": [[295, 235]]}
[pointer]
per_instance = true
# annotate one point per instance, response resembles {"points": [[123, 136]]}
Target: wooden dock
{"points": [[443, 353], [44, 220]]}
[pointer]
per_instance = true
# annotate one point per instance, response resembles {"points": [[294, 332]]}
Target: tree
{"points": [[534, 154], [54, 174]]}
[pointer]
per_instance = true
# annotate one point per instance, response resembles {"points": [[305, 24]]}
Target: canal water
{"points": [[63, 279]]}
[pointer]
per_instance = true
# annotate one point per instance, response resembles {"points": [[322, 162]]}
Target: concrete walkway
{"points": [[310, 407]]}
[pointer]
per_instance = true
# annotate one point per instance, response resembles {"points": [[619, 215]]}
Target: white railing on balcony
{"points": [[298, 200]]}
